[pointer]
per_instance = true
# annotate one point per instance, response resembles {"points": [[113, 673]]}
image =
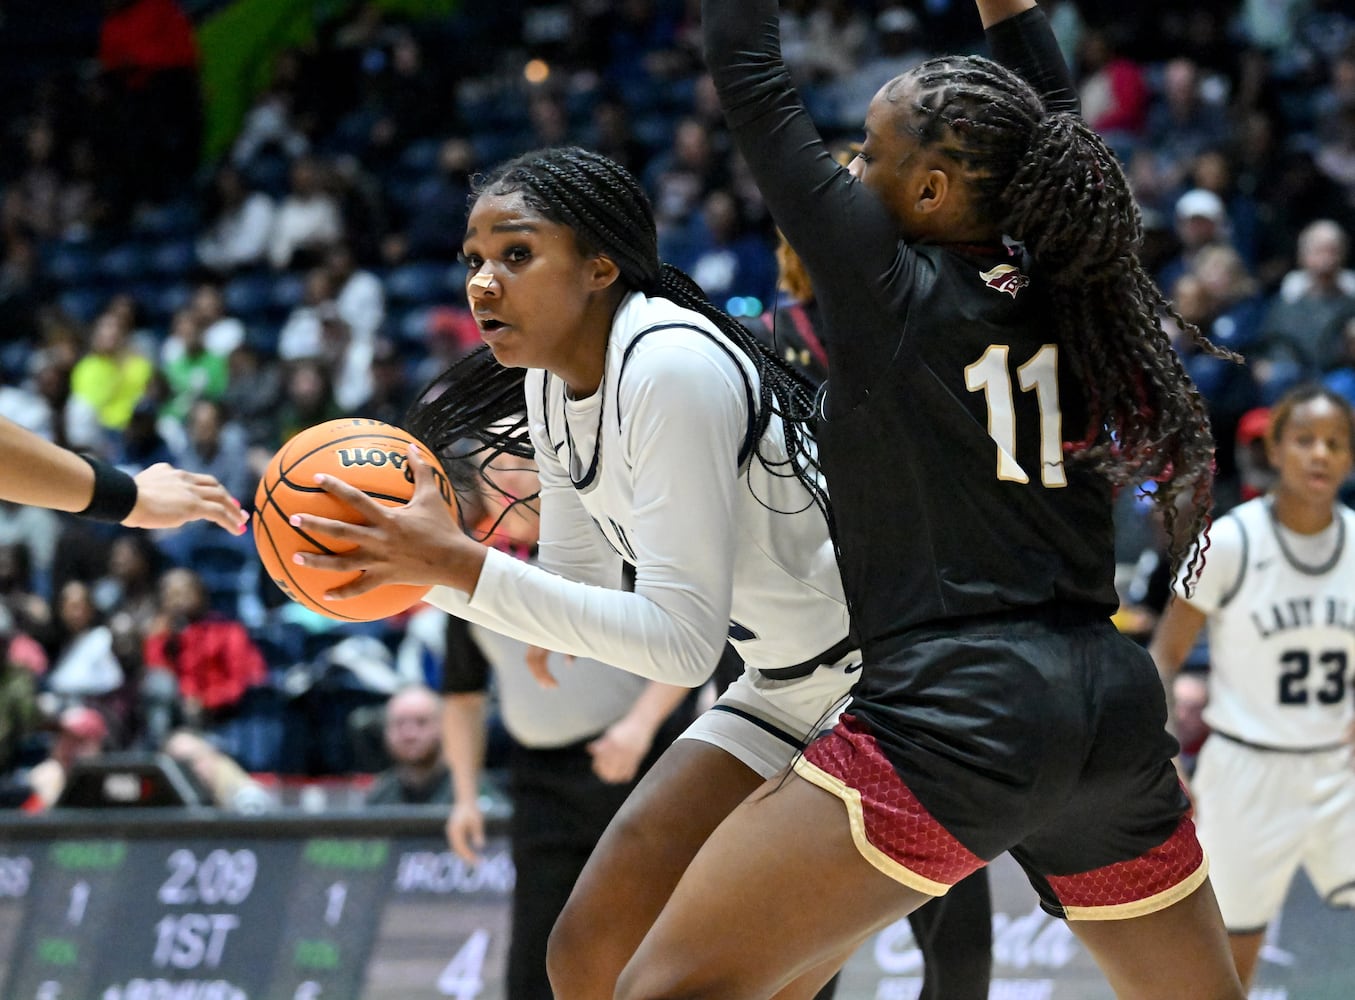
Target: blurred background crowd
{"points": [[222, 221]]}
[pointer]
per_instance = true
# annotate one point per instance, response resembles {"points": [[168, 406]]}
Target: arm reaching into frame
{"points": [[42, 474]]}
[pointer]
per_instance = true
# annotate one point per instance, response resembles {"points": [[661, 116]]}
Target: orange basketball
{"points": [[367, 454]]}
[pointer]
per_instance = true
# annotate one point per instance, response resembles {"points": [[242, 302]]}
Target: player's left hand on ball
{"points": [[417, 543]]}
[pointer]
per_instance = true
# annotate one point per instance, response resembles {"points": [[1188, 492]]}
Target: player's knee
{"points": [[568, 954]]}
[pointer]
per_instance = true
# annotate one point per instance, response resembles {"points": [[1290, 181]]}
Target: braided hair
{"points": [[1050, 182], [478, 400]]}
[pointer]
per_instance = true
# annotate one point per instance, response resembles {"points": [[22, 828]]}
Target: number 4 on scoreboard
{"points": [[463, 978]]}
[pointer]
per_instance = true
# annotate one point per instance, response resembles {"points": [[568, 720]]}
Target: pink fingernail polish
{"points": [[294, 520]]}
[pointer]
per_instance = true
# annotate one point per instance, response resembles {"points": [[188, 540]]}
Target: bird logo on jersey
{"points": [[1005, 278]]}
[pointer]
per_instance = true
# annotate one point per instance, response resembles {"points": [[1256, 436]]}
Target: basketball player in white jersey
{"points": [[657, 425], [1274, 788]]}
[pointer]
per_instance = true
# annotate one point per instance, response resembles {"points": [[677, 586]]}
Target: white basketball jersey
{"points": [[1282, 636], [787, 603], [658, 469]]}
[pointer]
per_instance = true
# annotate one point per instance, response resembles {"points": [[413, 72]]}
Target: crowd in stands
{"points": [[157, 307]]}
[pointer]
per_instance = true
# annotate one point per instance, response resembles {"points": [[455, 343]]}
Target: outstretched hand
{"points": [[167, 497], [418, 543]]}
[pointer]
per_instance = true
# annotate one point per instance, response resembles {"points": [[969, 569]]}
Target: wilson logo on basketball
{"points": [[1005, 278], [353, 458]]}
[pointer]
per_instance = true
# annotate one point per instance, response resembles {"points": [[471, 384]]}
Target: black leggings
{"points": [[955, 934]]}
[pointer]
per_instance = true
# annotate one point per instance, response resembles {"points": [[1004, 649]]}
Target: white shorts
{"points": [[765, 722], [1261, 814]]}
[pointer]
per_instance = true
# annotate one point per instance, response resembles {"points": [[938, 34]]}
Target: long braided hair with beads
{"points": [[478, 400], [1050, 182]]}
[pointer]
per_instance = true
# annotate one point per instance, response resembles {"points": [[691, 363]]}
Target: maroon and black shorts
{"points": [[1039, 736]]}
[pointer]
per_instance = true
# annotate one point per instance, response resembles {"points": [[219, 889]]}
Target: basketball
{"points": [[370, 456]]}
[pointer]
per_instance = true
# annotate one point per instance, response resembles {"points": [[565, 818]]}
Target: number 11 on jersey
{"points": [[1041, 374]]}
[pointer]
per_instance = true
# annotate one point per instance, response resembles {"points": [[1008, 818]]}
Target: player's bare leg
{"points": [[1177, 952], [638, 861], [1246, 949], [779, 892]]}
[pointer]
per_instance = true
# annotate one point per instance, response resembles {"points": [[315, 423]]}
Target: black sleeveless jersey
{"points": [[949, 399]]}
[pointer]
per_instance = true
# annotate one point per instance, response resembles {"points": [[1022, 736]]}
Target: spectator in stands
{"points": [[32, 202], [391, 389], [81, 734], [1300, 332], [436, 214], [114, 374], [898, 48], [1336, 153], [302, 335], [19, 714], [222, 333], [1213, 171], [547, 120], [1332, 100], [273, 127], [37, 530], [142, 443], [308, 219], [148, 57], [832, 38], [253, 395], [129, 585], [226, 783], [1235, 295], [612, 135], [403, 102], [413, 740], [19, 595], [308, 398], [239, 223], [1201, 221], [722, 256], [358, 293], [348, 359], [1182, 123], [63, 417], [216, 445], [84, 666], [678, 179], [1115, 93], [211, 657], [196, 372], [1229, 389], [24, 289]]}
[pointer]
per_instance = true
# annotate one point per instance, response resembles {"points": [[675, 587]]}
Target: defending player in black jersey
{"points": [[985, 397]]}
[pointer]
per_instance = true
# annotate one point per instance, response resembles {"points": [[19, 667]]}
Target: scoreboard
{"points": [[188, 904], [131, 907]]}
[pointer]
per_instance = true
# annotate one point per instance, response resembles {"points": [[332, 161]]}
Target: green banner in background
{"points": [[240, 43]]}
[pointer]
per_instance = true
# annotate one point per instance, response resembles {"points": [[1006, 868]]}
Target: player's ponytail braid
{"points": [[1051, 182], [609, 213]]}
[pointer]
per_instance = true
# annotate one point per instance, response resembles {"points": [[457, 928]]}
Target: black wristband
{"points": [[114, 493]]}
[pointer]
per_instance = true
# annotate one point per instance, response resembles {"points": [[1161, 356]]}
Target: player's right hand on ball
{"points": [[418, 543]]}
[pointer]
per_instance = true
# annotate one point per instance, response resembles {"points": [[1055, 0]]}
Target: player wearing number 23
{"points": [[1273, 785]]}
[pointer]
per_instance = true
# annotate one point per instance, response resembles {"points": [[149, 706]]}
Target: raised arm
{"points": [[993, 11], [1020, 38]]}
